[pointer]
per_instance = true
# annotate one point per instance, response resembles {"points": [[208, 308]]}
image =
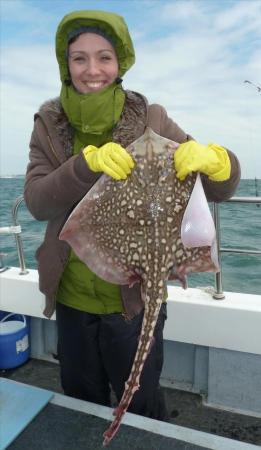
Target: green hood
{"points": [[112, 24]]}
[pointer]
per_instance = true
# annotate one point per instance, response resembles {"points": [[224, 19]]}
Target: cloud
{"points": [[30, 76], [33, 65], [243, 15], [184, 12], [26, 21]]}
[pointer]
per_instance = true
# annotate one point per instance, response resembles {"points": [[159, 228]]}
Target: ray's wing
{"points": [[85, 232]]}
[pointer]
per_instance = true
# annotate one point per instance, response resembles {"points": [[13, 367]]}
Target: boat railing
{"points": [[218, 294], [16, 230]]}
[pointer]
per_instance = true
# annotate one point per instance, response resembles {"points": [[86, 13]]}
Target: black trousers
{"points": [[97, 351]]}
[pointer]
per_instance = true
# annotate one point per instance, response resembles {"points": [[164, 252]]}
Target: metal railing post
{"points": [[218, 294], [18, 238]]}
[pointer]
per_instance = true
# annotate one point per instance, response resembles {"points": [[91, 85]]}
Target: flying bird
{"points": [[250, 82]]}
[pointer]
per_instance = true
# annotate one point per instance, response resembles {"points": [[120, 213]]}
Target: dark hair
{"points": [[74, 34]]}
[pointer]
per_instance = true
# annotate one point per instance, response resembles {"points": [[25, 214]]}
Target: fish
{"points": [[146, 229]]}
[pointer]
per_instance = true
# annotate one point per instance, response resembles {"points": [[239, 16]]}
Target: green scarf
{"points": [[94, 115]]}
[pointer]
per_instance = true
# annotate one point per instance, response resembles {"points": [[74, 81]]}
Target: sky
{"points": [[192, 57]]}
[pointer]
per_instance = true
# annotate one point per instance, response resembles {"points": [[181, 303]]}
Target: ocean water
{"points": [[240, 228]]}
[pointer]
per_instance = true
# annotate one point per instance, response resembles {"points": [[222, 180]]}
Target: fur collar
{"points": [[130, 126]]}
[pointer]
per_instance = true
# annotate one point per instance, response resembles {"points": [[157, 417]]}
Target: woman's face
{"points": [[93, 63]]}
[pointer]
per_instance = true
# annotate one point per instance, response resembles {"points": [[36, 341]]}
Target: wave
{"points": [[12, 176]]}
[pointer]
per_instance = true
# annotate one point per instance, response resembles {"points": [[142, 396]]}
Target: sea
{"points": [[240, 226]]}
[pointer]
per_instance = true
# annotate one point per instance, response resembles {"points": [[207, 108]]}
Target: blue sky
{"points": [[191, 56]]}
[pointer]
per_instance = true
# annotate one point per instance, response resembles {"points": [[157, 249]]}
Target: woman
{"points": [[76, 138]]}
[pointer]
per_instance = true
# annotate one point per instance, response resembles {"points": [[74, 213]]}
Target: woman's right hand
{"points": [[111, 159]]}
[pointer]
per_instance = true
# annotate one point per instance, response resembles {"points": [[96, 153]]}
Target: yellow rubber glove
{"points": [[212, 160], [111, 159]]}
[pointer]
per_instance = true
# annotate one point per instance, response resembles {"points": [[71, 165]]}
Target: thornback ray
{"points": [[130, 231]]}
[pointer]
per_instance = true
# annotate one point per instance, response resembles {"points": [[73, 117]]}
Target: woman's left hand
{"points": [[212, 160]]}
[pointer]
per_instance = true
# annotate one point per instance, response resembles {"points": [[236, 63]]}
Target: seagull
{"points": [[250, 82]]}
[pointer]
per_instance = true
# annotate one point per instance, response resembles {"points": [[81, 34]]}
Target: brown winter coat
{"points": [[56, 181]]}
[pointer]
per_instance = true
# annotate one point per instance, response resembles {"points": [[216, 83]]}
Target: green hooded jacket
{"points": [[92, 117]]}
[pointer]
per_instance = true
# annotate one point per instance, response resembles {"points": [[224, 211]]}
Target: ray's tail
{"points": [[150, 317]]}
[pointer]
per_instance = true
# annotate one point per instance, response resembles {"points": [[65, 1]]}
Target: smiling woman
{"points": [[76, 138], [93, 63]]}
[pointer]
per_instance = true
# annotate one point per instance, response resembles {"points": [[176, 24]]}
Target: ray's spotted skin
{"points": [[130, 231]]}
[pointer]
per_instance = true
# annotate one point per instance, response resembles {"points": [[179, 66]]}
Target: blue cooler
{"points": [[14, 340]]}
